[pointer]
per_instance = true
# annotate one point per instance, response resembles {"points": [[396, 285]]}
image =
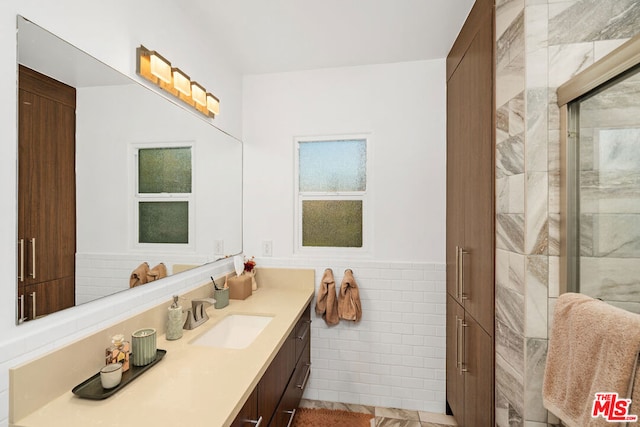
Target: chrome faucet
{"points": [[197, 315]]}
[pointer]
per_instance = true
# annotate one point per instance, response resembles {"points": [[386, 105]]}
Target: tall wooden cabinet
{"points": [[470, 243], [46, 195]]}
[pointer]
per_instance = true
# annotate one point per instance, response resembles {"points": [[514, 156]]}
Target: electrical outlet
{"points": [[218, 247], [267, 248]]}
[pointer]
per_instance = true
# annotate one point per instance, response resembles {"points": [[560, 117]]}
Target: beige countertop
{"points": [[192, 385]]}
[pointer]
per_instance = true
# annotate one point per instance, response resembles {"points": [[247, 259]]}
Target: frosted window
{"points": [[332, 223], [163, 222], [332, 166], [164, 170]]}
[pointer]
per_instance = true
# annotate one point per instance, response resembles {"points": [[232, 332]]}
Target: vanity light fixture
{"points": [[213, 104], [199, 94], [160, 67], [181, 82], [155, 68]]}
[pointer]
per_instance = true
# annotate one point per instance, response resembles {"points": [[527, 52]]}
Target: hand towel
{"points": [[349, 306], [326, 302], [592, 349], [157, 272], [139, 275]]}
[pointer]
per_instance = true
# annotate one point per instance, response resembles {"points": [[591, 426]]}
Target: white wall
{"points": [[395, 356], [110, 31], [402, 106]]}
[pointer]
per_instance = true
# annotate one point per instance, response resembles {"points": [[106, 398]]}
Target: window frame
{"points": [[365, 196], [137, 198]]}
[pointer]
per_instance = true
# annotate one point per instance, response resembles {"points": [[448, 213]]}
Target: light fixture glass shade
{"points": [[160, 67], [213, 104], [198, 94], [181, 82]]}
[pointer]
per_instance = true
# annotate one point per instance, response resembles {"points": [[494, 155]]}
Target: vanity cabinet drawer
{"points": [[303, 332], [295, 389]]}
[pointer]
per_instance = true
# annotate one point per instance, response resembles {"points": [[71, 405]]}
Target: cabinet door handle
{"points": [[306, 330], [457, 274], [21, 316], [461, 294], [306, 378], [33, 305], [462, 347], [256, 422], [291, 416], [458, 348], [21, 272], [33, 258], [460, 353]]}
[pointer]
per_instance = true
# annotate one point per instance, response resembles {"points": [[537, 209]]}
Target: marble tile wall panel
{"points": [[612, 236], [510, 232], [554, 278], [509, 309], [590, 20], [510, 156], [610, 191], [616, 149], [615, 279], [567, 60], [510, 346], [502, 123], [536, 356], [507, 11], [510, 44], [604, 47], [537, 275], [537, 134], [554, 234], [509, 389], [536, 224]]}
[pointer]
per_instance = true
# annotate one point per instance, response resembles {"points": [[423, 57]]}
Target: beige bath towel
{"points": [[349, 306], [139, 275], [326, 302], [157, 272], [593, 348]]}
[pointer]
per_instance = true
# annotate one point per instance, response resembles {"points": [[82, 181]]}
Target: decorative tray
{"points": [[92, 387]]}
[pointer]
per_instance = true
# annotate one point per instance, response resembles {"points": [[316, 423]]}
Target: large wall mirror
{"points": [[142, 182]]}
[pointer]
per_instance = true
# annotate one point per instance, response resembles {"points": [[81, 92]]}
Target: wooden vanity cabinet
{"points": [[280, 389], [46, 194]]}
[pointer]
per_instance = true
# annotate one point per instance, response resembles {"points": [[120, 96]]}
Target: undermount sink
{"points": [[234, 331]]}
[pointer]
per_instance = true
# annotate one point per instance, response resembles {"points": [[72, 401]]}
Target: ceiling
{"points": [[265, 36]]}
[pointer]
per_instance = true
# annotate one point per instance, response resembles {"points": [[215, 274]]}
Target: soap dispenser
{"points": [[175, 321]]}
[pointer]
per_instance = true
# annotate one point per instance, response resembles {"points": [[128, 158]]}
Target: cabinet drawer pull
{"points": [[306, 330], [457, 275], [461, 294], [33, 258], [293, 414], [33, 305], [256, 422], [21, 316], [21, 273], [306, 377]]}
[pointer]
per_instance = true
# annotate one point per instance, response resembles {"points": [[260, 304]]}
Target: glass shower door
{"points": [[604, 192]]}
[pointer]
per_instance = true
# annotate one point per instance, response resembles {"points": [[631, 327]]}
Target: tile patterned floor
{"points": [[388, 417]]}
